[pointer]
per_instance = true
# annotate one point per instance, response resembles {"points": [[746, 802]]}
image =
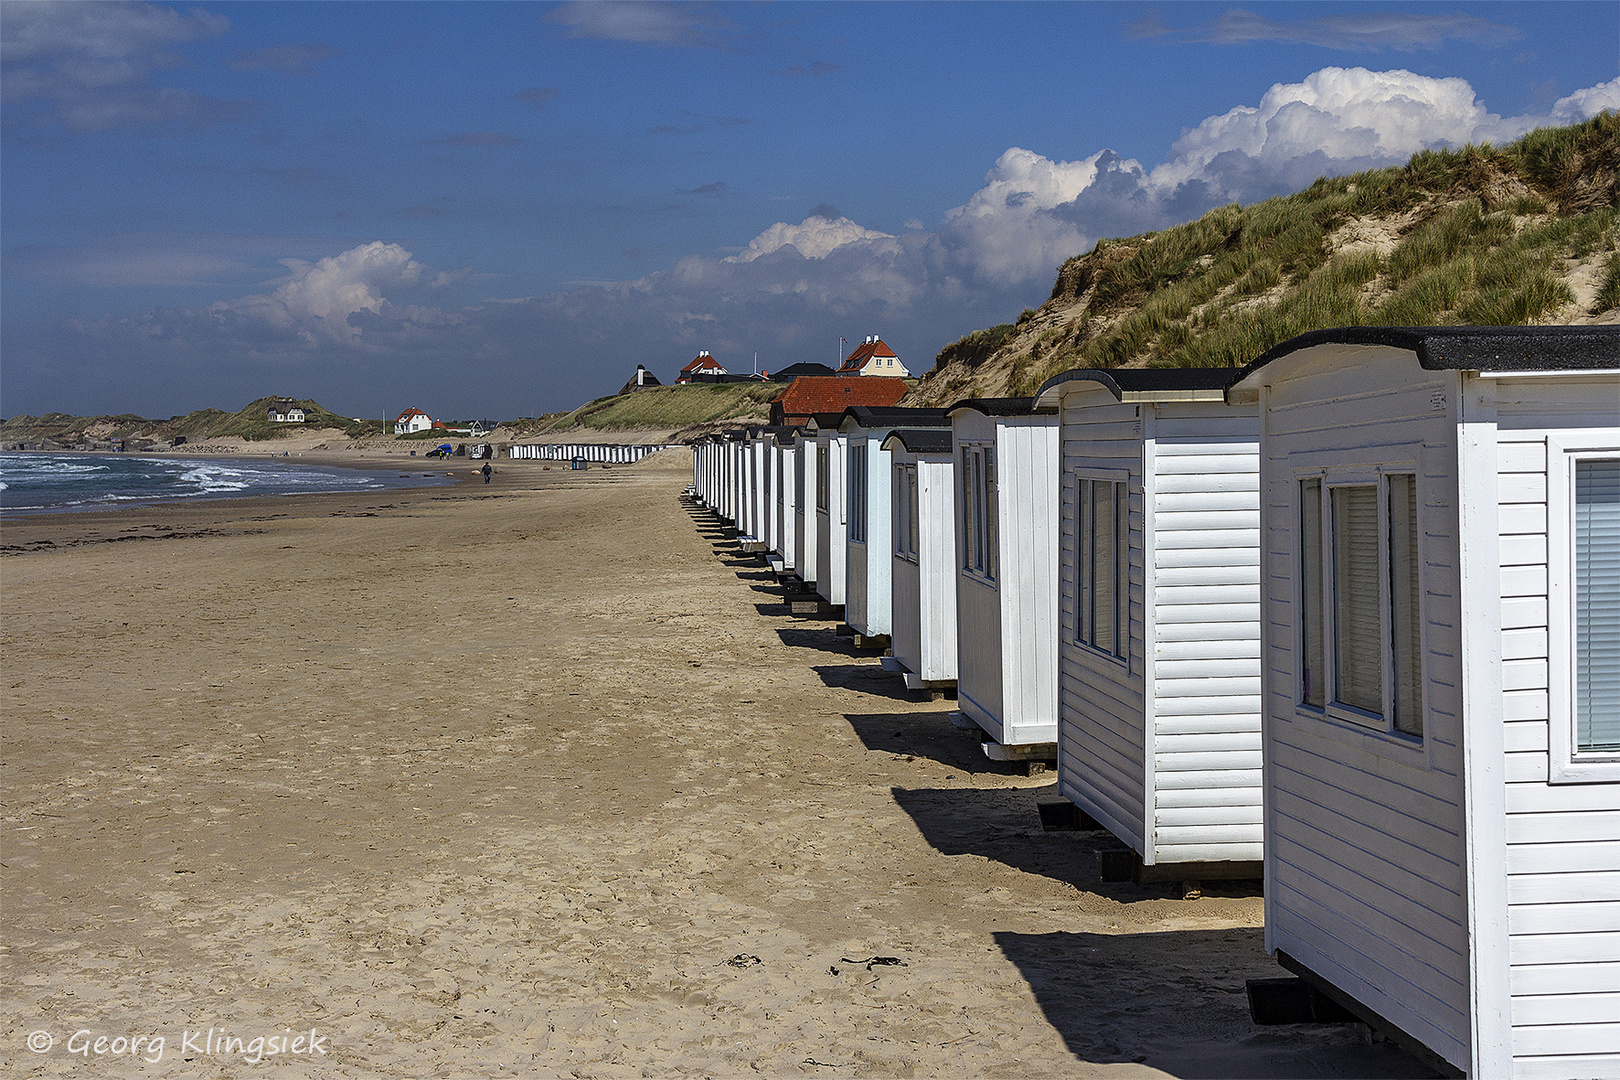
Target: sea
{"points": [[42, 482]]}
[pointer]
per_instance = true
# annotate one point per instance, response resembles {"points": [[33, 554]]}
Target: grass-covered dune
{"points": [[248, 423], [668, 408], [1524, 233]]}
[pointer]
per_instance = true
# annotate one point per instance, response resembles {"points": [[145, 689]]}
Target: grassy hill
{"points": [[681, 408], [249, 423], [1525, 233]]}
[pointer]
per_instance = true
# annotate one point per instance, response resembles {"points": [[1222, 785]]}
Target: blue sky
{"points": [[500, 209]]}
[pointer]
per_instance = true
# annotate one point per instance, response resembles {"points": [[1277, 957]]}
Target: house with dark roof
{"points": [[872, 357], [812, 394], [641, 378], [795, 371], [1439, 683], [286, 412], [702, 364]]}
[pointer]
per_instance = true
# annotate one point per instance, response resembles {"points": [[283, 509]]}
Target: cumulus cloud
{"points": [[816, 237], [90, 67], [317, 299], [1034, 211]]}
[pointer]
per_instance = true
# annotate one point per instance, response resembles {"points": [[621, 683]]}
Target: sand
{"points": [[541, 779]]}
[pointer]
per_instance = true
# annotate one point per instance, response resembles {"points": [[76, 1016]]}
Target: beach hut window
{"points": [[821, 477], [1103, 571], [857, 491], [905, 511], [1361, 602], [1312, 676], [1597, 605], [979, 510]]}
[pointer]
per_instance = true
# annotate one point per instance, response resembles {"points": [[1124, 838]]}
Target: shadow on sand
{"points": [[1094, 988]]}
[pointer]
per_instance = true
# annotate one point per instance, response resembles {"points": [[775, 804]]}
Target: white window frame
{"points": [[856, 478], [976, 521], [1349, 469], [1566, 765], [823, 489], [906, 517], [1122, 600]]}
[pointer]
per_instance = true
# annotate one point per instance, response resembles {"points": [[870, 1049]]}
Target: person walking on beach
{"points": [[486, 470]]}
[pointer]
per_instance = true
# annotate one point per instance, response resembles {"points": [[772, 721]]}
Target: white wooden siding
{"points": [[1102, 704], [924, 592], [831, 540], [1563, 840], [981, 643], [1027, 494], [1366, 856], [1202, 465]]}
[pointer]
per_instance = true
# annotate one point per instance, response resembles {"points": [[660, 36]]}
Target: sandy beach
{"points": [[540, 779]]}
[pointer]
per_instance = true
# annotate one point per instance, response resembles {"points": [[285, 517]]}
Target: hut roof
{"points": [[1007, 406], [1142, 384], [919, 440], [877, 416]]}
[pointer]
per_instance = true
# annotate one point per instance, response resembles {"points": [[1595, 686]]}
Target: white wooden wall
{"points": [[1007, 628], [832, 545], [869, 566], [804, 520], [1563, 840], [1365, 841], [923, 637], [1102, 703], [1201, 467]]}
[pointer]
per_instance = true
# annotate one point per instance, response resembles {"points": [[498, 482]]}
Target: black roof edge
{"points": [[921, 440], [1003, 406], [1120, 381], [873, 416], [1469, 348]]}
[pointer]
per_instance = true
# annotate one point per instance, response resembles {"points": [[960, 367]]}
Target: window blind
{"points": [[1357, 649], [1597, 605]]}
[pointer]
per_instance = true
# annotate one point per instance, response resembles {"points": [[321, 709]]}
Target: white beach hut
{"points": [[1442, 684], [1159, 655], [1006, 462], [782, 458], [831, 509], [923, 539], [804, 506], [869, 560]]}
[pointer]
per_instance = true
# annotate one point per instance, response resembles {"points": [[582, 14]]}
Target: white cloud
{"points": [[815, 238], [317, 299], [88, 67], [1589, 102], [1360, 31], [642, 22]]}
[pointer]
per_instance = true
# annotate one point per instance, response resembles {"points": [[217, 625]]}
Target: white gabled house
{"points": [[869, 559], [1159, 625], [1006, 462], [1442, 684], [411, 420], [923, 541]]}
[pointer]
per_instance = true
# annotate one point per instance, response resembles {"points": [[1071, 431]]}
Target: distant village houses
{"points": [[874, 358], [412, 420], [286, 412]]}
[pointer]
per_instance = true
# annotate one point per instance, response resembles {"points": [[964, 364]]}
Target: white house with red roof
{"points": [[412, 420], [702, 364], [874, 358]]}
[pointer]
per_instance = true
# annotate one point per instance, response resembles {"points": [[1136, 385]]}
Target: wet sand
{"points": [[541, 779]]}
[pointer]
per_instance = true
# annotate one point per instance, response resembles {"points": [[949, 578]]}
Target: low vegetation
{"points": [[1476, 236], [249, 423], [662, 407]]}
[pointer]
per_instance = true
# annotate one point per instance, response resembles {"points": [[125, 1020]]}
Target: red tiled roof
{"points": [[407, 414], [865, 352], [811, 394]]}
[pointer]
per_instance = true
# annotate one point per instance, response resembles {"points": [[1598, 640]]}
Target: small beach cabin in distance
{"points": [[1159, 619], [804, 506], [1442, 684], [869, 561], [923, 541], [782, 470], [831, 508], [1006, 462]]}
